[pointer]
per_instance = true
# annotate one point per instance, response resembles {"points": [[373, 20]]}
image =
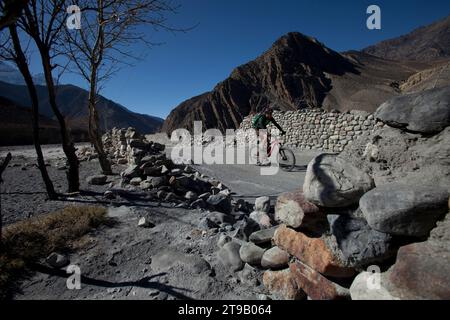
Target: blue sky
{"points": [[233, 32]]}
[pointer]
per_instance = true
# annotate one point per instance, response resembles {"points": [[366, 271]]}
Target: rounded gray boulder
{"points": [[424, 112], [404, 210], [334, 182]]}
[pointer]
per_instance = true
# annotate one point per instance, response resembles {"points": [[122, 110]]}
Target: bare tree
{"points": [[3, 167], [11, 10], [109, 28], [42, 21], [12, 50]]}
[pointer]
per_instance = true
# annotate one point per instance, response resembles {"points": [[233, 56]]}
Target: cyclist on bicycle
{"points": [[260, 122]]}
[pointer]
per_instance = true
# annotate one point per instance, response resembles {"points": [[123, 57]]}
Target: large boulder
{"points": [[334, 182], [405, 210], [359, 244], [365, 288], [293, 210], [425, 112], [315, 285], [315, 252], [422, 270]]}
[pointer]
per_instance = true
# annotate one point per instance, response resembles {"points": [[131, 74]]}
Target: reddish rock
{"points": [[422, 271], [282, 284], [315, 285], [293, 210], [312, 251]]}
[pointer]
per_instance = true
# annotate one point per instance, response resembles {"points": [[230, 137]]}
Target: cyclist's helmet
{"points": [[268, 110]]}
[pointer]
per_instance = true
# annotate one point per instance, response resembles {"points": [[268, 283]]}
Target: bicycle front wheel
{"points": [[286, 159]]}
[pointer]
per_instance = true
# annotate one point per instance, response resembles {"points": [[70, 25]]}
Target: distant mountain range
{"points": [[298, 71], [72, 102], [15, 126], [428, 43]]}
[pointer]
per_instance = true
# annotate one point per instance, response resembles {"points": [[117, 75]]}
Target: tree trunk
{"points": [[67, 143], [23, 67], [94, 132], [2, 168]]}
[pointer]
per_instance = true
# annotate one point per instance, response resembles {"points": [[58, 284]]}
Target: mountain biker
{"points": [[260, 122]]}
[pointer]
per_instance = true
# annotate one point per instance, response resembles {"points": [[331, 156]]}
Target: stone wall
{"points": [[127, 146], [319, 130]]}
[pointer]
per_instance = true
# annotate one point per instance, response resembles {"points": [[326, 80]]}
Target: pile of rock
{"points": [[382, 203], [127, 146], [150, 169], [246, 247], [317, 129], [85, 153]]}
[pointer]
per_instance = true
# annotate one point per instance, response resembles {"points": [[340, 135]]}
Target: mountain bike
{"points": [[286, 158]]}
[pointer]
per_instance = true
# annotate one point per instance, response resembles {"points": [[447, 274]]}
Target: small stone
{"points": [[251, 253], [109, 195], [136, 181], [275, 258], [220, 202], [57, 260], [97, 180], [144, 223], [192, 196], [261, 218], [229, 256], [262, 204], [263, 236], [294, 210], [223, 239], [199, 204]]}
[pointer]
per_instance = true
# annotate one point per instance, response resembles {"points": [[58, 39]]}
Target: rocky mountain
{"points": [[15, 126], [72, 101], [296, 72], [427, 43]]}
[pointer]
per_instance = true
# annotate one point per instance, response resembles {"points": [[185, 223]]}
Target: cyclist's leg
{"points": [[257, 147]]}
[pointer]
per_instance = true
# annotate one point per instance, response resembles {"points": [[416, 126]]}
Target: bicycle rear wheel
{"points": [[286, 159]]}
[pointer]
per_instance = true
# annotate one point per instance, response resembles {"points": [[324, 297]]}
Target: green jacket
{"points": [[261, 121]]}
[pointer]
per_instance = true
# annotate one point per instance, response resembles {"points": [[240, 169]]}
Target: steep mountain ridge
{"points": [[296, 72]]}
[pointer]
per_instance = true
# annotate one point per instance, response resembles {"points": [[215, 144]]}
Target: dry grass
{"points": [[27, 242]]}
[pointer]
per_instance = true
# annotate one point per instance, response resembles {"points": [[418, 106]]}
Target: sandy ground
{"points": [[173, 260]]}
